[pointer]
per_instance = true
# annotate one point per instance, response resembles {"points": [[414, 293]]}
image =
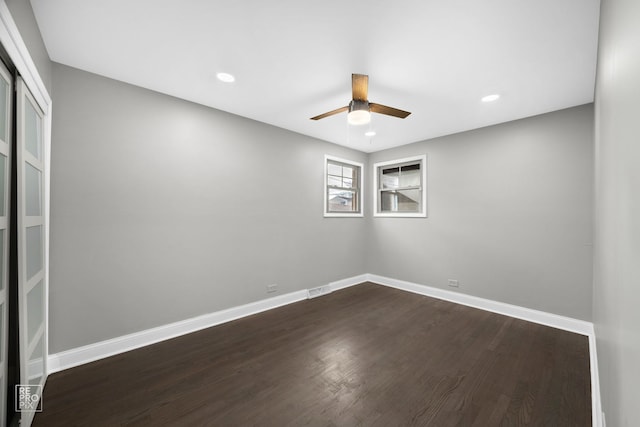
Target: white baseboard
{"points": [[351, 281], [92, 352], [561, 322], [597, 416], [100, 350]]}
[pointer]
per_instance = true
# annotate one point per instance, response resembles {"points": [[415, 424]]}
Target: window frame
{"points": [[422, 160], [359, 189]]}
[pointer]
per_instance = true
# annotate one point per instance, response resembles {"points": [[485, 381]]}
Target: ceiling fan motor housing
{"points": [[357, 105]]}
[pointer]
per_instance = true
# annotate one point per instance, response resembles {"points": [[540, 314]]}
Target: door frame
{"points": [[19, 54], [5, 226]]}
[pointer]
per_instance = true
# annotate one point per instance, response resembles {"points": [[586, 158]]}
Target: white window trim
{"points": [[423, 204], [360, 214]]}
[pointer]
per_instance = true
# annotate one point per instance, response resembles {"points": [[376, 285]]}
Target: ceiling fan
{"points": [[360, 108]]}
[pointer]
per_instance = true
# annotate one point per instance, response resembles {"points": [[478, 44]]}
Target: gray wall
{"points": [[162, 210], [509, 214], [25, 20], [617, 223]]}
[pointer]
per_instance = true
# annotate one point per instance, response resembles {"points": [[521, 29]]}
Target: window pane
{"points": [[333, 169], [409, 201], [401, 187], [342, 201], [1, 332], [33, 134], [347, 172], [410, 176], [35, 366], [33, 190], [388, 201], [342, 190], [3, 181], [34, 250], [333, 180], [400, 201], [35, 310], [1, 260], [4, 92], [390, 177]]}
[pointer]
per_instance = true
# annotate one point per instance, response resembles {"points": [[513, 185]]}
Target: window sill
{"points": [[342, 215], [400, 215]]}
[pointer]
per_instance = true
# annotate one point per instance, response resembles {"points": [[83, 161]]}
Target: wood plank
{"points": [[366, 355]]}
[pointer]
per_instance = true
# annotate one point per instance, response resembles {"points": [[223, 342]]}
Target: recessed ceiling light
{"points": [[370, 133], [490, 98], [225, 77]]}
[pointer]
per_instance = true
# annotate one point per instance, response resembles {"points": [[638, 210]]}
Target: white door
{"points": [[31, 242], [6, 92]]}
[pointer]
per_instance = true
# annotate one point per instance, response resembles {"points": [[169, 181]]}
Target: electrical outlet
{"points": [[272, 288], [453, 283]]}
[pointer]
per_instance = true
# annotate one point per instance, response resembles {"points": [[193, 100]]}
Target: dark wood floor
{"points": [[366, 355]]}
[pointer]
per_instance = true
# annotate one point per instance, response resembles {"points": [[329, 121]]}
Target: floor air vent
{"points": [[320, 290]]}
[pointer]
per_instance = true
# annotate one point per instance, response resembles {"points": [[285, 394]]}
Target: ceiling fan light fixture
{"points": [[359, 113], [360, 108], [359, 117]]}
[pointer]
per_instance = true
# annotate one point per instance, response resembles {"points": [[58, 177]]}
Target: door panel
{"points": [[31, 242], [6, 98]]}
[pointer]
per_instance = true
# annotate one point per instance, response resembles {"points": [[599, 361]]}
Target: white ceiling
{"points": [[293, 59]]}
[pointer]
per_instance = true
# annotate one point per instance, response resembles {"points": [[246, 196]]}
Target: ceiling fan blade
{"points": [[389, 111], [360, 86], [330, 113]]}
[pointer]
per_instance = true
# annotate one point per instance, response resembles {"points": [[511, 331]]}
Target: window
{"points": [[400, 187], [342, 187]]}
